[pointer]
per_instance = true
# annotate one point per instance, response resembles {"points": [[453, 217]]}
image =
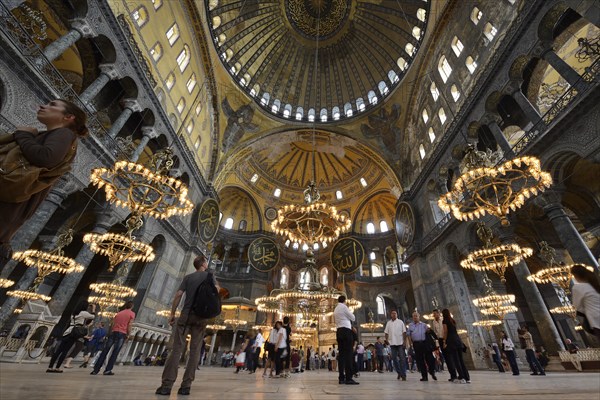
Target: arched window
{"points": [[170, 81], [370, 228], [393, 77], [140, 16], [243, 224], [442, 115], [335, 113], [383, 89], [299, 113], [275, 106], [255, 89], [471, 64], [323, 115], [380, 306], [339, 195], [360, 104], [410, 49], [229, 223], [372, 97], [476, 15], [157, 4], [156, 52], [191, 83], [457, 46], [425, 115], [363, 182], [421, 14], [198, 108], [416, 32], [190, 127], [221, 39], [372, 256], [431, 135], [455, 92], [402, 64], [197, 143], [435, 93], [490, 31], [304, 280], [311, 115], [266, 97], [348, 109], [377, 270], [173, 34], [183, 59], [245, 79], [444, 68], [324, 276], [181, 105], [285, 277], [422, 151], [383, 226], [216, 22], [277, 192], [287, 111]]}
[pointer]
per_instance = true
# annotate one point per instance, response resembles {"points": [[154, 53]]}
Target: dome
{"points": [[317, 60]]}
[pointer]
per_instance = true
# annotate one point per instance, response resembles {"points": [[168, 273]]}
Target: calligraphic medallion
{"points": [[208, 220], [405, 224], [263, 254], [347, 255]]}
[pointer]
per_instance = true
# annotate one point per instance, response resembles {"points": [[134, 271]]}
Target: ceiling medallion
{"points": [[487, 187], [317, 19]]}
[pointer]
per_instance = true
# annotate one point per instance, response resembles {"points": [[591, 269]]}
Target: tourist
{"points": [[332, 357], [280, 349], [438, 327], [270, 350], [120, 331], [395, 334], [534, 364], [360, 356], [73, 335], [379, 353], [295, 361], [137, 361], [417, 334], [496, 357], [288, 333], [259, 340], [586, 297], [454, 347], [343, 318], [308, 357], [94, 344], [509, 350], [188, 322], [31, 162]]}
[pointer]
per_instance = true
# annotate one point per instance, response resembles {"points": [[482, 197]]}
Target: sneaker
{"points": [[423, 380], [462, 381], [352, 382], [163, 390], [94, 373], [184, 391], [108, 373], [403, 378], [434, 377]]}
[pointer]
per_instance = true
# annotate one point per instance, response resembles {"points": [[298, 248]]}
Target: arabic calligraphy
{"points": [[405, 224], [347, 255], [263, 254], [208, 220]]}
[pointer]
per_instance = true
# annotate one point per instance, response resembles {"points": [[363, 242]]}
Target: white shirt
{"points": [[586, 300], [395, 330], [508, 344], [258, 342], [343, 316], [281, 342], [438, 328], [273, 336]]}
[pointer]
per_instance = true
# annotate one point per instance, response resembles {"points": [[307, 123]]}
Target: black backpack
{"points": [[207, 302]]}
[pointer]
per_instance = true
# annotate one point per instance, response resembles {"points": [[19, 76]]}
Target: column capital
{"points": [[82, 26], [150, 132], [132, 104], [110, 70]]}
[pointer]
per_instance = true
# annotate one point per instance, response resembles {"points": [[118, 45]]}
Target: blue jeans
{"points": [[115, 340], [534, 363], [399, 359]]}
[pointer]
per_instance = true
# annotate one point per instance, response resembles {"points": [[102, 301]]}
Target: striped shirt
{"points": [[417, 331]]}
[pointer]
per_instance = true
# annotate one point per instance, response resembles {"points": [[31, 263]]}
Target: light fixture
{"points": [[487, 323], [167, 313], [5, 283], [487, 188], [495, 304], [235, 322], [111, 289], [371, 324], [216, 327]]}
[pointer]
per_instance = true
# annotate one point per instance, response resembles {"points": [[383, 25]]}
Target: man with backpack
{"points": [[201, 303]]}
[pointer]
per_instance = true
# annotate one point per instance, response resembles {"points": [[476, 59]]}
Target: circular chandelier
{"points": [[112, 289], [107, 314], [216, 327], [313, 222], [371, 325], [495, 304], [145, 190], [262, 327], [496, 259], [487, 323], [27, 295], [105, 302], [488, 188], [5, 283], [167, 313]]}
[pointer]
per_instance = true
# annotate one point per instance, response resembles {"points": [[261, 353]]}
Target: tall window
{"points": [[190, 127], [229, 223], [416, 32], [173, 34], [191, 83], [183, 59], [431, 135], [476, 15], [444, 68], [421, 14], [435, 93], [324, 276], [140, 16], [181, 105], [304, 280], [198, 109], [410, 49], [170, 81], [490, 31], [383, 227], [425, 116], [339, 195], [285, 276], [156, 52], [422, 151], [457, 46], [377, 270], [370, 228], [277, 192], [157, 4], [402, 64], [380, 305], [243, 224], [471, 64], [455, 92], [442, 115]]}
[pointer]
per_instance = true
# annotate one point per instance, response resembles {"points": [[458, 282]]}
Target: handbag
{"points": [[79, 331], [583, 321], [19, 179]]}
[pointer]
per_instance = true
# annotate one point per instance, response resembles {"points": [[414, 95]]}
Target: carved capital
{"points": [[132, 104], [150, 132], [82, 26], [110, 70]]}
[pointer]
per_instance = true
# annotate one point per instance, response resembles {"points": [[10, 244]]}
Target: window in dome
{"points": [[212, 4], [170, 81], [422, 151], [191, 83], [228, 54], [372, 97], [157, 4], [324, 245], [254, 178], [377, 270], [304, 247], [173, 34], [197, 144], [266, 97], [276, 105], [383, 226], [348, 109], [190, 127], [457, 46], [245, 79], [393, 77], [425, 116], [287, 243], [283, 281], [431, 135], [229, 223], [435, 93], [339, 195], [471, 64], [181, 105], [183, 59], [490, 31], [335, 113], [372, 256], [295, 246], [380, 306], [316, 246], [277, 192], [140, 16], [421, 14], [221, 39], [363, 182], [311, 115], [444, 68], [287, 111], [410, 49], [370, 228], [442, 115], [416, 32], [360, 104], [455, 92], [402, 64], [216, 22], [383, 89], [324, 276], [255, 89], [198, 109], [476, 15], [323, 115], [156, 52], [299, 113], [242, 225]]}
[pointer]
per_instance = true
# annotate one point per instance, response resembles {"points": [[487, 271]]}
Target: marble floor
{"points": [[30, 382]]}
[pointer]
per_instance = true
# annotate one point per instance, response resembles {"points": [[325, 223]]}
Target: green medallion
{"points": [[263, 254], [208, 220], [347, 255]]}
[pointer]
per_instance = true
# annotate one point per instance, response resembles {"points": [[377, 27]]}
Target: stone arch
{"points": [[517, 68], [548, 23]]}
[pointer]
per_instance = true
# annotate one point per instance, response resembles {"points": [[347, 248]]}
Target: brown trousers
{"points": [[183, 325]]}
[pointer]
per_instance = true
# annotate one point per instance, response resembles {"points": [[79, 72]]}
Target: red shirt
{"points": [[121, 320]]}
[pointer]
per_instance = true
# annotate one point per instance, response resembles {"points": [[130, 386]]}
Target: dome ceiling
{"points": [[317, 60]]}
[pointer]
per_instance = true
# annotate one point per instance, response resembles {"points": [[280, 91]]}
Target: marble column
{"points": [[233, 340], [528, 109], [148, 133], [568, 234], [501, 139], [226, 256], [130, 106], [79, 29], [32, 228], [108, 72], [11, 302], [213, 342], [69, 284], [134, 352], [564, 69], [240, 256]]}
